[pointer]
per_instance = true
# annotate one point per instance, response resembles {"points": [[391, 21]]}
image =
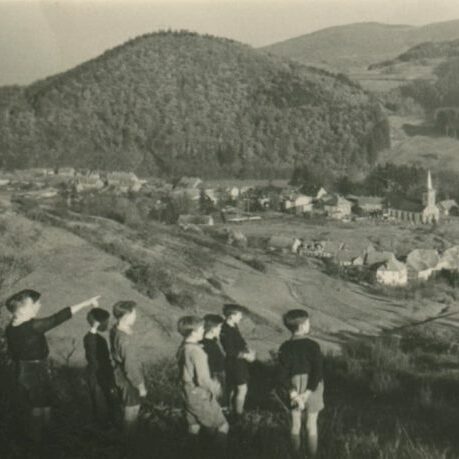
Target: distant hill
{"points": [[179, 103], [424, 51], [356, 46]]}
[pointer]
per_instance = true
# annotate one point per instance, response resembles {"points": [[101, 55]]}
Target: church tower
{"points": [[429, 198]]}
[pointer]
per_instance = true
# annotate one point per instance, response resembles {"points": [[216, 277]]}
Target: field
{"points": [[406, 379]]}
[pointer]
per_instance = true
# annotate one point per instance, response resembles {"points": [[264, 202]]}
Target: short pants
{"points": [[35, 382], [237, 372], [129, 394], [315, 402], [202, 407]]}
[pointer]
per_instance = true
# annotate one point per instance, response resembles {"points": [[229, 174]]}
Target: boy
{"points": [[100, 372], [199, 390], [238, 355], [301, 363], [128, 370], [28, 348], [215, 355]]}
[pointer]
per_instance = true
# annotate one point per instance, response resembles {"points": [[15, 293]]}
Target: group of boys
{"points": [[213, 361]]}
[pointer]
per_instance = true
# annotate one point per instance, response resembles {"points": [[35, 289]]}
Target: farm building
{"points": [[422, 263], [337, 207], [448, 207], [392, 273]]}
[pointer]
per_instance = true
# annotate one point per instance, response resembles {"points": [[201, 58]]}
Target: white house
{"points": [[338, 207], [299, 203], [392, 273]]}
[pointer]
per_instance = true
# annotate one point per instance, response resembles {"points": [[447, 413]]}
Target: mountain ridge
{"points": [[358, 45]]}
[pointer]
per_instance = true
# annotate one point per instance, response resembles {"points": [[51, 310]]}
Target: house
{"points": [[349, 257], [92, 181], [422, 263], [298, 204], [448, 207], [374, 257], [321, 193], [392, 273], [337, 207], [66, 172], [449, 259], [124, 181], [189, 182], [423, 211]]}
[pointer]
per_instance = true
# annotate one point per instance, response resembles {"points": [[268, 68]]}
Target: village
{"points": [[228, 204]]}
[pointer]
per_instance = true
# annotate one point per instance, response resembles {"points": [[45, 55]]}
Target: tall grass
{"points": [[383, 401]]}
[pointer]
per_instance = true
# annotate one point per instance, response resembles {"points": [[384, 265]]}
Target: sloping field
{"points": [[68, 268]]}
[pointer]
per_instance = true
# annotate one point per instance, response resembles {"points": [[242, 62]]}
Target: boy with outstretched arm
{"points": [[28, 348], [238, 356], [215, 355], [128, 372], [199, 390], [100, 371], [301, 364]]}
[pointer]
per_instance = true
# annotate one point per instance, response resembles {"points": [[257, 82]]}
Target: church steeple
{"points": [[430, 195], [429, 181]]}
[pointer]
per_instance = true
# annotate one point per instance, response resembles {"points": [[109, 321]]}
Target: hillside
{"points": [[356, 46], [176, 102]]}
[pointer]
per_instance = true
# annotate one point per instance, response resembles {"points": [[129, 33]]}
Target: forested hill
{"points": [[176, 102], [423, 51]]}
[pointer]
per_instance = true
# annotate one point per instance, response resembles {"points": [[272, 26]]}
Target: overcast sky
{"points": [[42, 37]]}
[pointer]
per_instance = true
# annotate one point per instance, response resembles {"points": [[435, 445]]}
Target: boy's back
{"points": [[299, 356], [215, 356], [98, 356]]}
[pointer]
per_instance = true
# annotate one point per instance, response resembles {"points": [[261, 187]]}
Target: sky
{"points": [[39, 38]]}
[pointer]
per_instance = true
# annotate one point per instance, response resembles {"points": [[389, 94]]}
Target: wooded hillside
{"points": [[179, 103]]}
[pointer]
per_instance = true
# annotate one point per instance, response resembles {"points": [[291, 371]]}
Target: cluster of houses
{"points": [[384, 266], [425, 210]]}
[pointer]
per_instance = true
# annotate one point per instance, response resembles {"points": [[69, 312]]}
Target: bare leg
{"points": [[131, 415], [239, 400], [295, 431], [36, 424], [312, 433]]}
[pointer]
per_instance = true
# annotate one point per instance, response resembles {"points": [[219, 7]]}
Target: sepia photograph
{"points": [[229, 229]]}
